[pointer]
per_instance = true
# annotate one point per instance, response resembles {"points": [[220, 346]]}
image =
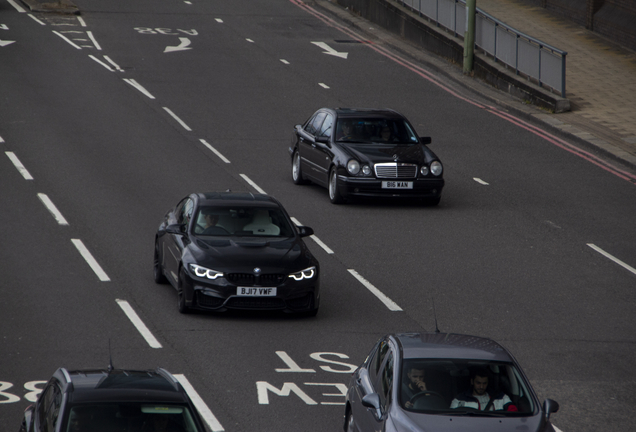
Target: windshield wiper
{"points": [[474, 412]]}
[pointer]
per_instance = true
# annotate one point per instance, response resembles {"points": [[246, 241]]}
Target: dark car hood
{"points": [[376, 153], [242, 254], [447, 423]]}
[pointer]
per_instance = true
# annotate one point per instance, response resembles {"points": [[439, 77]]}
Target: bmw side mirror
{"points": [[372, 400], [550, 406], [426, 140], [305, 231], [175, 229]]}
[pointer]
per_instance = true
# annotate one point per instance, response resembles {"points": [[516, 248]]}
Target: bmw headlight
{"points": [[353, 166], [205, 272], [436, 168], [308, 273]]}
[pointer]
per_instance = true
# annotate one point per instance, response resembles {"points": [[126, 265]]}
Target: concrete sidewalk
{"points": [[600, 78]]}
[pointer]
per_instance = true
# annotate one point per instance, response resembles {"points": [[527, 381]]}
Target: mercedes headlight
{"points": [[353, 166], [436, 168]]}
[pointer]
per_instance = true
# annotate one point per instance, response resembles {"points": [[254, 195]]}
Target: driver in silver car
{"points": [[414, 385]]}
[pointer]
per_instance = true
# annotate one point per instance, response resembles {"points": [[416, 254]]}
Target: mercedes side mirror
{"points": [[426, 140]]}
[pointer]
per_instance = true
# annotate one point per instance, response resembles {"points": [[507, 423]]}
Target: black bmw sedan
{"points": [[225, 250], [366, 153], [443, 382]]}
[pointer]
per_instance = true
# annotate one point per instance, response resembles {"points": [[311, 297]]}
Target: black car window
{"points": [[48, 407], [131, 417], [242, 221], [450, 380], [315, 123], [325, 129], [185, 214], [376, 362], [385, 383], [375, 130]]}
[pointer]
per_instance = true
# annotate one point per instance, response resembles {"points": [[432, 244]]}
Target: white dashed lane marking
{"points": [[51, 208], [21, 169], [101, 274], [138, 323]]}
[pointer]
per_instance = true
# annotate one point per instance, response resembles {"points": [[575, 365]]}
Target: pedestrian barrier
{"points": [[526, 55]]}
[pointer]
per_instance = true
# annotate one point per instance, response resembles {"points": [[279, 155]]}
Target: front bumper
{"points": [[221, 294], [372, 187]]}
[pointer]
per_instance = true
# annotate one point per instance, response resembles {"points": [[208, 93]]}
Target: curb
{"points": [[57, 6]]}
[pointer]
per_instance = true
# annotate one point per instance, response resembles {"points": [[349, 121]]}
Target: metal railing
{"points": [[523, 53]]}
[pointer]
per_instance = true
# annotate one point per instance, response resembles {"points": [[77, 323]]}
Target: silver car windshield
{"points": [[457, 387], [242, 221], [375, 130]]}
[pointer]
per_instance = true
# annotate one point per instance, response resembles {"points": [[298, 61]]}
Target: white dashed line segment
{"points": [[139, 87], [314, 238], [480, 181], [101, 274], [81, 21], [181, 122], [200, 405], [138, 323], [325, 86], [379, 294], [613, 258], [67, 40], [51, 208], [19, 166], [254, 185], [215, 151]]}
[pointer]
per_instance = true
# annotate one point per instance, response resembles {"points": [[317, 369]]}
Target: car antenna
{"points": [[435, 315], [110, 358]]}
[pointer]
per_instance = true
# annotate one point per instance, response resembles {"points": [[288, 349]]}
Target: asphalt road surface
{"points": [[109, 118]]}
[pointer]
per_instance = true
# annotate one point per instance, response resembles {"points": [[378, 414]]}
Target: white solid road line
{"points": [[19, 166], [51, 207], [36, 20], [314, 238], [138, 86], [67, 40], [613, 258], [102, 63], [254, 185], [181, 122], [90, 35], [379, 294], [101, 274], [200, 405], [16, 6], [138, 323], [215, 151]]}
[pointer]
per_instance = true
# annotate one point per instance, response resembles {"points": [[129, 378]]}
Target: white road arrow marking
{"points": [[185, 42], [330, 51], [5, 43]]}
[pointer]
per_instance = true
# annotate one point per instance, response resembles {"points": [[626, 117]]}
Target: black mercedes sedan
{"points": [[365, 153], [443, 382], [226, 250]]}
